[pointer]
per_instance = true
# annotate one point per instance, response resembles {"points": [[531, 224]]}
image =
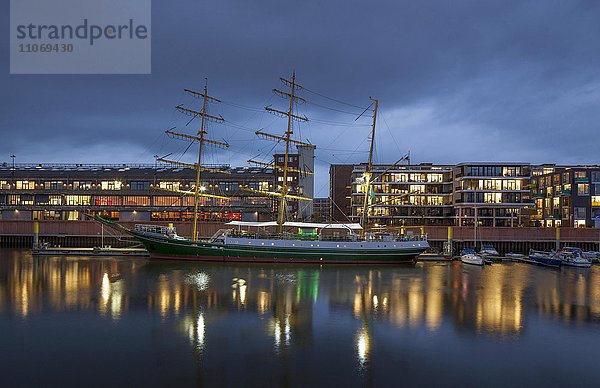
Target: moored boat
{"points": [[573, 257], [232, 245], [488, 250], [547, 259], [469, 256]]}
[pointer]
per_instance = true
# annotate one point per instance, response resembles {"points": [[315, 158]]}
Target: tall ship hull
{"points": [[259, 250]]}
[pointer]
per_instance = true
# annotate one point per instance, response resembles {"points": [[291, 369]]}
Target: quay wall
{"points": [[19, 233]]}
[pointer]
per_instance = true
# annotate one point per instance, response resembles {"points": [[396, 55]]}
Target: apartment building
{"points": [[567, 196], [496, 194]]}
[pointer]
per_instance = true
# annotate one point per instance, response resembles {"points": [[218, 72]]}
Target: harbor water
{"points": [[88, 321]]}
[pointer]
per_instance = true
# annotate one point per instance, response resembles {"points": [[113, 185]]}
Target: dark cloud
{"points": [[468, 80]]}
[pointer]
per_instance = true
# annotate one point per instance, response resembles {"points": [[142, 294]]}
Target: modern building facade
{"points": [[494, 194], [406, 195], [321, 210], [567, 196], [340, 192], [131, 192]]}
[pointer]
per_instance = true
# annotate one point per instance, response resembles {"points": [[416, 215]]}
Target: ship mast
{"points": [[293, 98], [367, 173], [201, 139]]}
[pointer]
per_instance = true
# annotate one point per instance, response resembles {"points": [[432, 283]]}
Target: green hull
{"points": [[167, 248]]}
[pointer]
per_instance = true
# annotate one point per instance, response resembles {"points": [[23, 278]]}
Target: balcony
{"points": [[565, 193], [581, 180]]}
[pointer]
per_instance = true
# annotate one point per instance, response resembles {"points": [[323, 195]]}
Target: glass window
{"points": [[595, 176], [53, 185], [579, 213], [169, 185], [77, 200], [140, 185], [136, 200], [583, 189], [82, 185], [25, 185], [111, 185]]}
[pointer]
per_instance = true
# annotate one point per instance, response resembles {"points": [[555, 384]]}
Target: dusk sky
{"points": [[457, 81]]}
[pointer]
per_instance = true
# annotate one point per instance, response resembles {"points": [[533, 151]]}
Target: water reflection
{"points": [[292, 305]]}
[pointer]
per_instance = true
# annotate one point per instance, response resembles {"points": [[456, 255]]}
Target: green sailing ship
{"points": [[293, 242]]}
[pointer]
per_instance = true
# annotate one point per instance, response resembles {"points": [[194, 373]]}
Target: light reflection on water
{"points": [[285, 315]]}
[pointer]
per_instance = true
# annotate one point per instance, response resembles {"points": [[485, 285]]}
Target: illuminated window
{"points": [[596, 200], [55, 200], [107, 200], [167, 201], [111, 185], [136, 200], [25, 185], [82, 185], [53, 185], [417, 189], [583, 189], [77, 200], [169, 185]]}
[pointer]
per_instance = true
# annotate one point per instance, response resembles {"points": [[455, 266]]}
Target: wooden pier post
{"points": [[557, 238]]}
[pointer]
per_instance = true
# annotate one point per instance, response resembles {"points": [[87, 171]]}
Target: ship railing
{"points": [[220, 233], [287, 236], [155, 229]]}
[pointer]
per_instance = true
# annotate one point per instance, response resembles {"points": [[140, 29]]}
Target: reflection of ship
{"points": [[294, 242]]}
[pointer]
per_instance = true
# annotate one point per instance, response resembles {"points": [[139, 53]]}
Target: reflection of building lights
{"points": [[277, 333], [363, 345], [287, 330], [197, 331], [243, 294], [104, 293], [263, 301], [375, 302]]}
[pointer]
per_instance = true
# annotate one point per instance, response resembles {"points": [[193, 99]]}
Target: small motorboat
{"points": [[573, 257], [488, 250], [548, 259], [469, 256]]}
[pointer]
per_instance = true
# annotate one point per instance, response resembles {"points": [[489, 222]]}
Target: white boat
{"points": [[573, 257], [488, 250], [468, 256], [592, 255]]}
